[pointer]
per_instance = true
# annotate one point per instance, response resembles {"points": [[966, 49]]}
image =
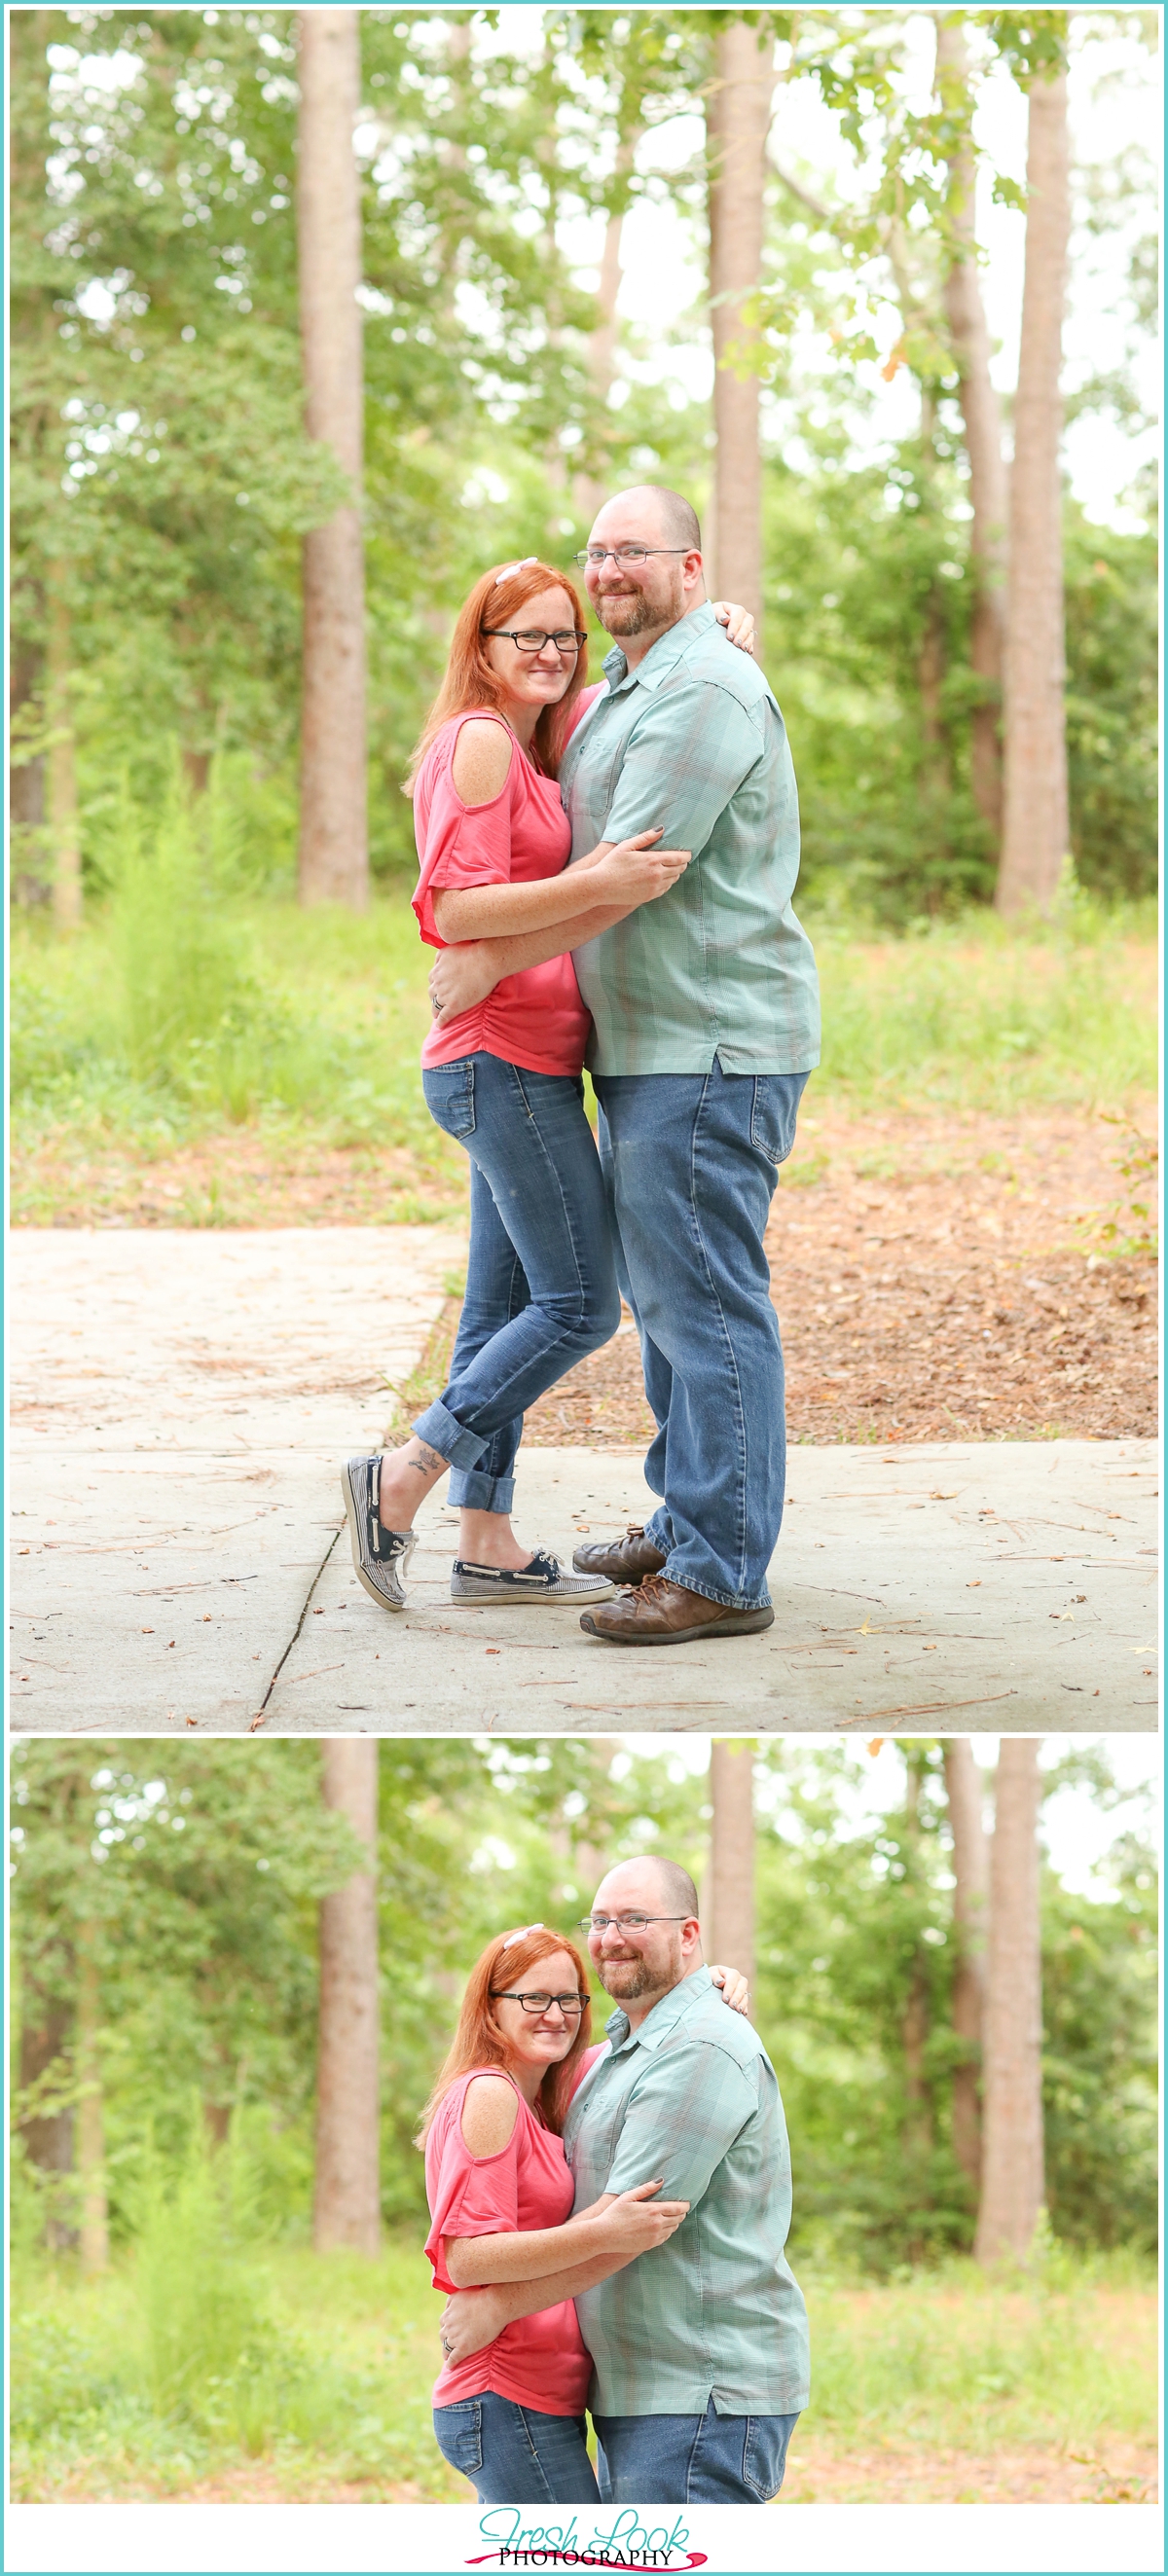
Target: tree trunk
{"points": [[334, 849], [1012, 2161], [738, 115], [347, 2203], [917, 2138], [590, 491], [26, 782], [1036, 829], [46, 2029], [90, 2116], [970, 1895], [982, 416], [63, 817], [730, 1885]]}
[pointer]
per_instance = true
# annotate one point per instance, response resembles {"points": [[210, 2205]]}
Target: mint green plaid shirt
{"points": [[693, 740], [692, 2095]]}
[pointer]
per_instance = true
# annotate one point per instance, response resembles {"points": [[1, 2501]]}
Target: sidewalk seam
{"points": [[294, 1639]]}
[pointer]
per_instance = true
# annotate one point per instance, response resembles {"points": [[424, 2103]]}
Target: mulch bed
{"points": [[935, 1279]]}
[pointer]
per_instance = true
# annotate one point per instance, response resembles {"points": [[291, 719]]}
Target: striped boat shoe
{"points": [[542, 1580], [380, 1556]]}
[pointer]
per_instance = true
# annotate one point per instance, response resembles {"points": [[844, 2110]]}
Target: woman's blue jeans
{"points": [[541, 1289], [512, 2455]]}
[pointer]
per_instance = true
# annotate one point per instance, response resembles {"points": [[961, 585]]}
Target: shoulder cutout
{"points": [[490, 2109], [483, 755]]}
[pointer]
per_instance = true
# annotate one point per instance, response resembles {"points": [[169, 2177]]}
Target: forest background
{"points": [[175, 2331], [165, 490]]}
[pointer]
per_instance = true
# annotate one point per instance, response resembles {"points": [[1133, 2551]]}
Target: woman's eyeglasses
{"points": [[570, 2005], [567, 639]]}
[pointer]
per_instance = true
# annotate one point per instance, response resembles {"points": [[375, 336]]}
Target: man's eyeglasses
{"points": [[623, 555], [571, 2006], [567, 639], [626, 1922]]}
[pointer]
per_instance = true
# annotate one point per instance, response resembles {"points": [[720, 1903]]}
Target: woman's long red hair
{"points": [[470, 680], [479, 2041]]}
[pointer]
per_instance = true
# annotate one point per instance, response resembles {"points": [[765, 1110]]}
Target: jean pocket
{"points": [[458, 2431], [449, 1095], [764, 2456], [773, 1113]]}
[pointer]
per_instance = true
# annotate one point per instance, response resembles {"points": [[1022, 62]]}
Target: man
{"points": [[700, 2348], [706, 1026]]}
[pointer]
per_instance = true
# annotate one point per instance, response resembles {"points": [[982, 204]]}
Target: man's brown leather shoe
{"points": [[624, 1560], [660, 1613]]}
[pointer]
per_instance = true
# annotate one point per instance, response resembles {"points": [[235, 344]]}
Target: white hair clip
{"points": [[513, 1937], [505, 575]]}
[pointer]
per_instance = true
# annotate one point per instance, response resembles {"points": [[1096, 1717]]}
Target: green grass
{"points": [[978, 1018], [181, 1011], [321, 2367]]}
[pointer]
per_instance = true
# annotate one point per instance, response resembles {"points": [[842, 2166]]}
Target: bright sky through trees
{"points": [[1076, 1830]]}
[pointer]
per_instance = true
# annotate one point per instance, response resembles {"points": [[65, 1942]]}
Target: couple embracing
{"points": [[610, 2221], [607, 876]]}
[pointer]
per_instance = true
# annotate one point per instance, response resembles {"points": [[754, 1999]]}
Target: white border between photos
{"points": [[347, 2540]]}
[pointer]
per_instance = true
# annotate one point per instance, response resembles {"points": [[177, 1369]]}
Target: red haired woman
{"points": [[505, 1079], [511, 2417]]}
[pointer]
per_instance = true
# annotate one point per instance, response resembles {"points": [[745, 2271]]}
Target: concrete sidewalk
{"points": [[182, 1404]]}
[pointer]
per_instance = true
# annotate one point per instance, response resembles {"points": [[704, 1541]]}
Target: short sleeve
{"points": [[688, 752], [463, 845], [683, 2115], [470, 2195]]}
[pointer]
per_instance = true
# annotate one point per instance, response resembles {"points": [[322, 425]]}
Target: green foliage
{"points": [[162, 480], [969, 1016], [942, 2360]]}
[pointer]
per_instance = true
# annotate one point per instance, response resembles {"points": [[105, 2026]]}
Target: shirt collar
{"points": [[662, 656], [674, 2007]]}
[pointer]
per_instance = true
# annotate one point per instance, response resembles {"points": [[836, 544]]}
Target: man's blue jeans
{"points": [[512, 2455], [690, 1163], [692, 2459], [541, 1288]]}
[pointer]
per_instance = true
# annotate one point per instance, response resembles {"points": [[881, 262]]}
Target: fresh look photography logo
{"points": [[627, 2542]]}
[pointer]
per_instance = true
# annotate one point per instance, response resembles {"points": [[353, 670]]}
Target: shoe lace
{"points": [[653, 1588]]}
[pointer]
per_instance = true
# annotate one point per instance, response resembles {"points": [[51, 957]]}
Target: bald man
{"points": [[705, 1018], [699, 2348]]}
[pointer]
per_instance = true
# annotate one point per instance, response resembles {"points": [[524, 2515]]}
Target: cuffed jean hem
{"points": [[471, 1491], [442, 1432]]}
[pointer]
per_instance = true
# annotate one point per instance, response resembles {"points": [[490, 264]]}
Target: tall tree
{"points": [[1036, 824], [90, 2111], [347, 2205], [982, 419], [1013, 2184], [738, 115], [334, 839], [730, 1885], [970, 1912]]}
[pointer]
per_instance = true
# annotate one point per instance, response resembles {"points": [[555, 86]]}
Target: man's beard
{"points": [[631, 613], [628, 1979]]}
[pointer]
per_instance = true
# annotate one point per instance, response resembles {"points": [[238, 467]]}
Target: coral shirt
{"points": [[535, 1019], [539, 2361]]}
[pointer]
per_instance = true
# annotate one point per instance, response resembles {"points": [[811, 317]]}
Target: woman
{"points": [[505, 1079], [511, 2418]]}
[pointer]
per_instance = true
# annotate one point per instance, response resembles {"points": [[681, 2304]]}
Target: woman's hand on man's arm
{"points": [[615, 2229], [627, 2223], [735, 1990], [614, 879]]}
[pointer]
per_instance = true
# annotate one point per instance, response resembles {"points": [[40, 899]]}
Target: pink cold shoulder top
{"points": [[540, 2361], [535, 1019]]}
